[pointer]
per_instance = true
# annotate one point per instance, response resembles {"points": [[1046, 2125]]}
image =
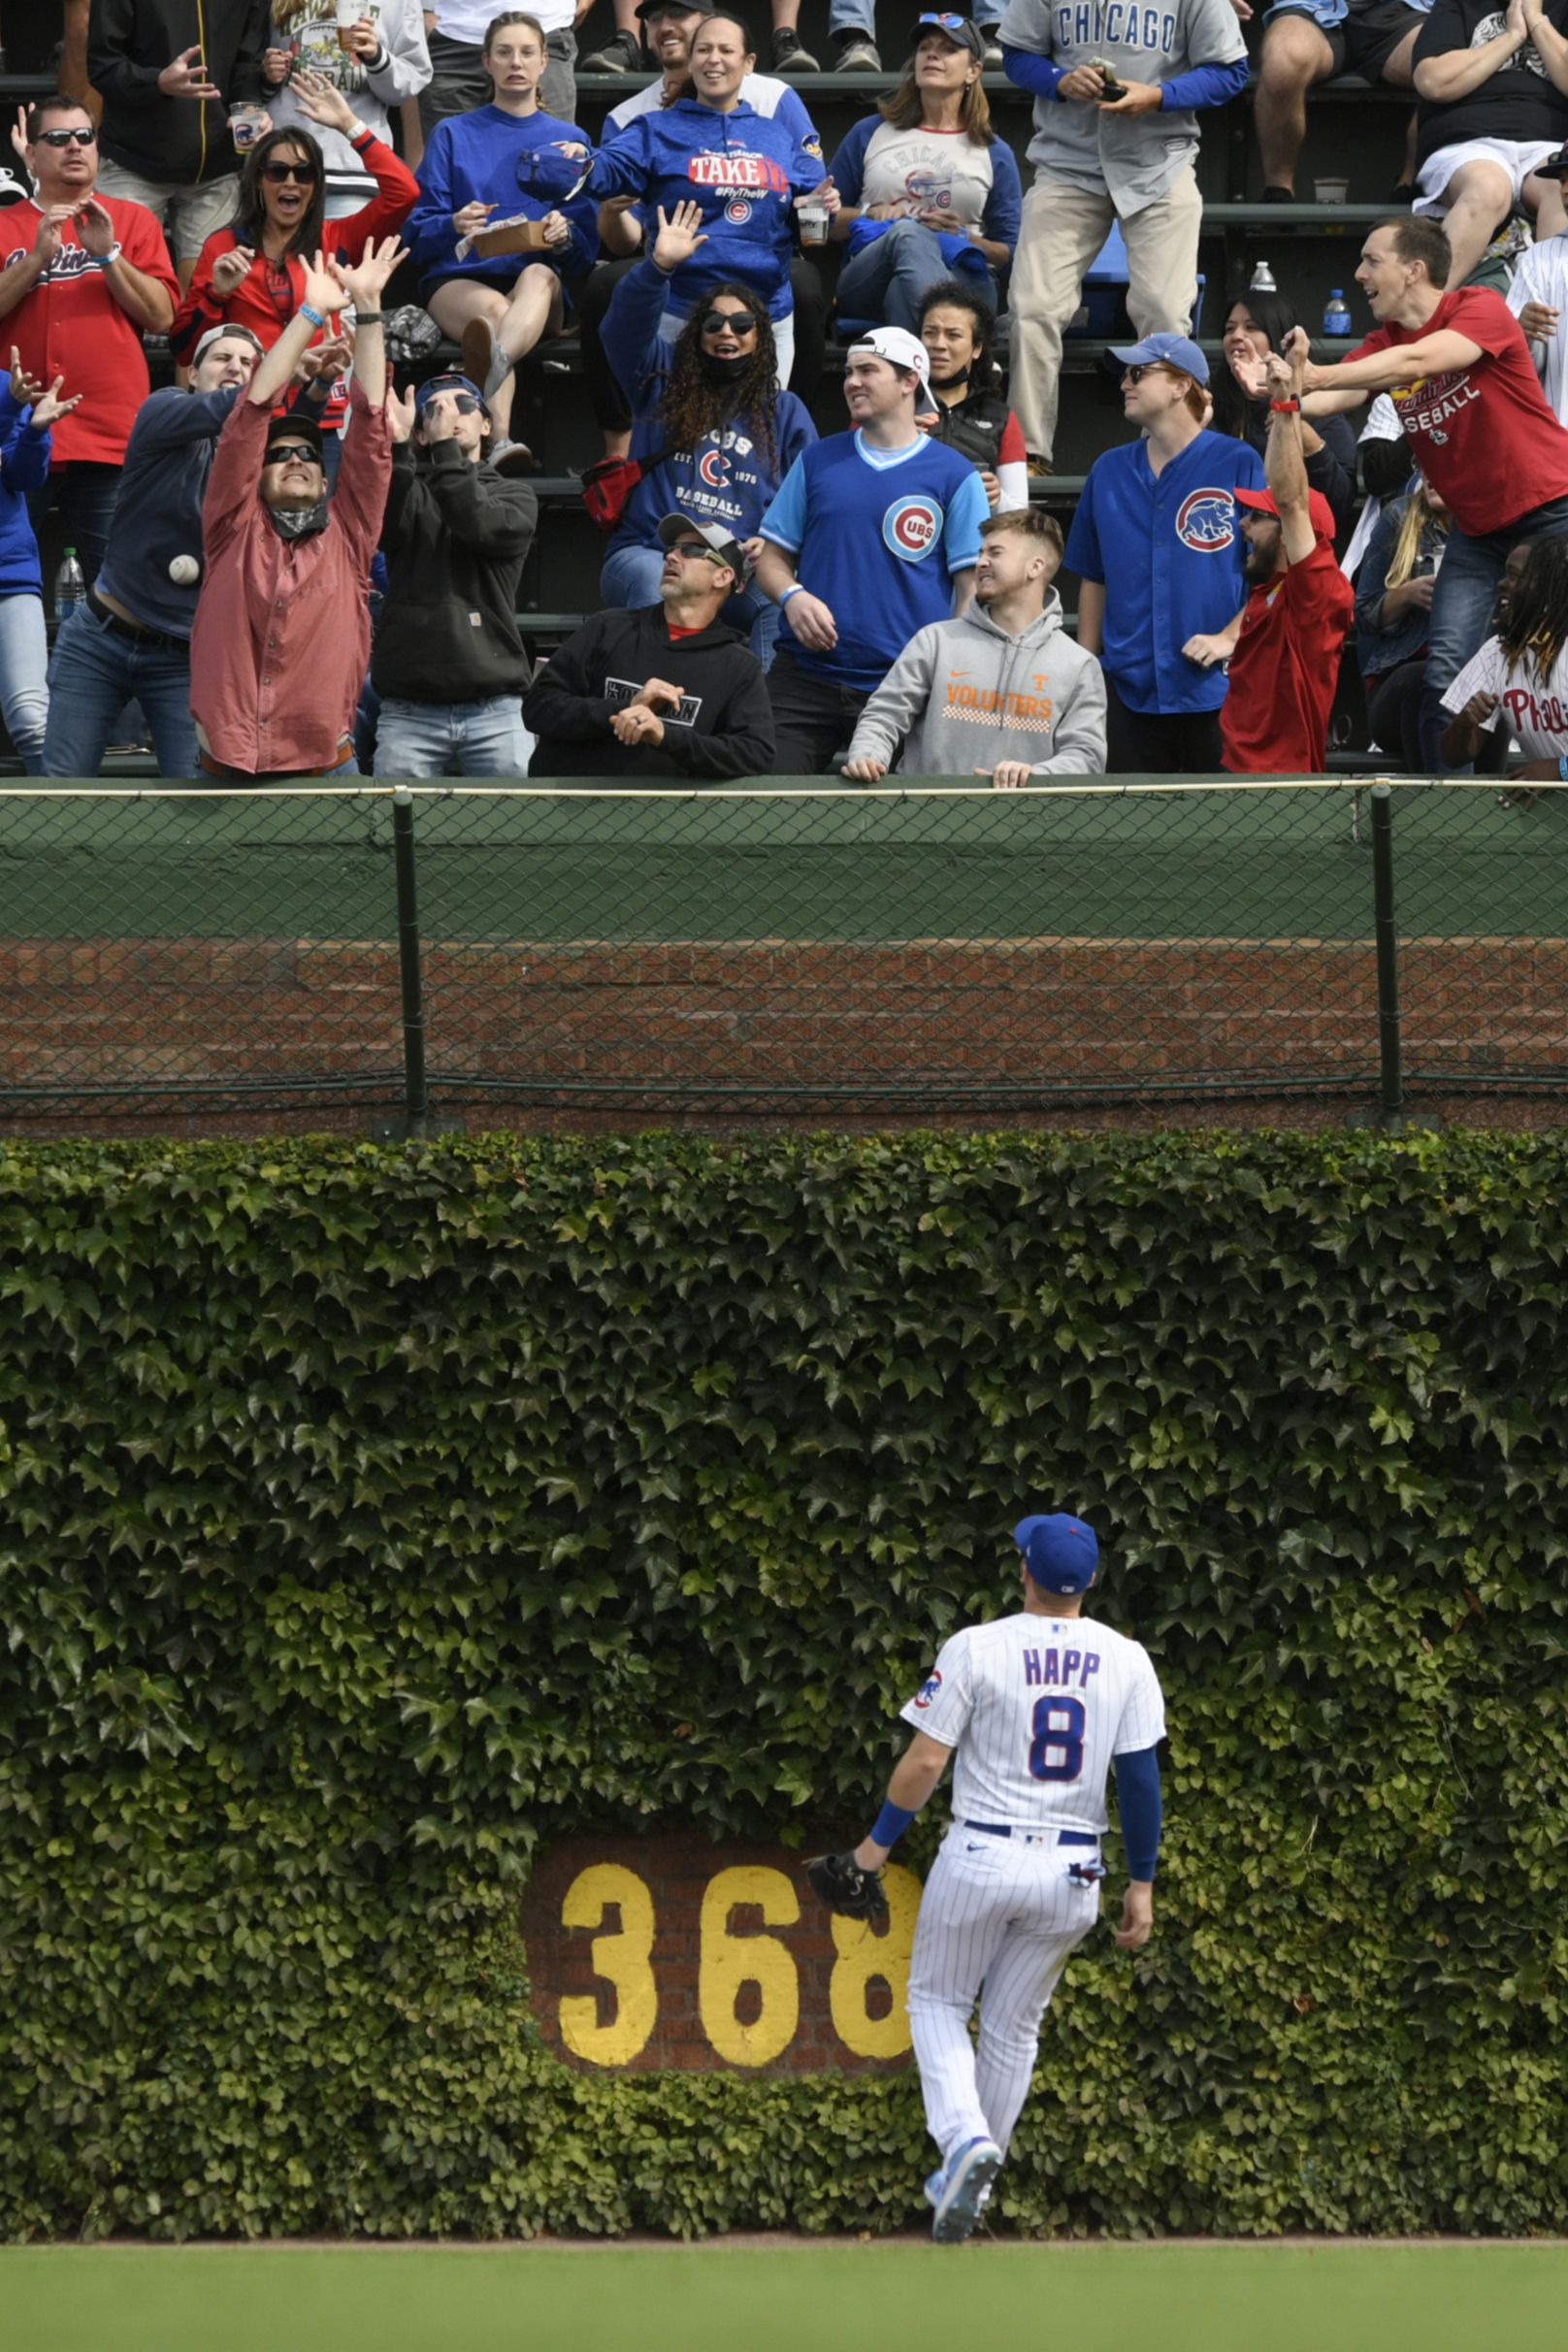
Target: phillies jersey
{"points": [[877, 533], [1037, 1708], [1168, 551]]}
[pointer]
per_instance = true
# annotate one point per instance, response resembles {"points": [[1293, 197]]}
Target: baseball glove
{"points": [[847, 1889]]}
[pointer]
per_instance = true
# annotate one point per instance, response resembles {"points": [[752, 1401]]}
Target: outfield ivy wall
{"points": [[376, 1518]]}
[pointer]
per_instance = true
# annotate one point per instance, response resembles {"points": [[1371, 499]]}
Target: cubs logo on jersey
{"points": [[912, 526], [1206, 521]]}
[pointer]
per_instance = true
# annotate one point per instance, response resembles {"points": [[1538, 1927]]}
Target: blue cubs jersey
{"points": [[878, 535], [1168, 550]]}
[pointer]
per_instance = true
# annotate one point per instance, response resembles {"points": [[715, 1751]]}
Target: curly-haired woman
{"points": [[711, 430]]}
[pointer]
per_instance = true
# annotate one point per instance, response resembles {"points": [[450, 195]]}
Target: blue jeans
{"points": [[484, 738], [888, 278], [631, 578], [96, 670], [24, 678], [1462, 612], [84, 491]]}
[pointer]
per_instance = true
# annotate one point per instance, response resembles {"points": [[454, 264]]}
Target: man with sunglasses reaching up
{"points": [[282, 636], [85, 277], [449, 666], [664, 692]]}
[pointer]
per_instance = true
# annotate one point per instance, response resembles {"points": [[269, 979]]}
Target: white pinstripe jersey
{"points": [[1037, 1708]]}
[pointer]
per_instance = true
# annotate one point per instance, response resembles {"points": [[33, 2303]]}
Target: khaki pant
{"points": [[1063, 230]]}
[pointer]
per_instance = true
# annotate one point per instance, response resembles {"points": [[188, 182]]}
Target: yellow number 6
{"points": [[622, 1957], [726, 1963]]}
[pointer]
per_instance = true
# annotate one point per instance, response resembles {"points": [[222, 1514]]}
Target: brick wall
{"points": [[647, 1953]]}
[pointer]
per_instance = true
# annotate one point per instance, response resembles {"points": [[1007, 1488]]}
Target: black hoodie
{"points": [[178, 143], [456, 536], [723, 730]]}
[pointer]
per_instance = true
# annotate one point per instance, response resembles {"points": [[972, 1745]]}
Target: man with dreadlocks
{"points": [[1518, 680], [712, 434]]}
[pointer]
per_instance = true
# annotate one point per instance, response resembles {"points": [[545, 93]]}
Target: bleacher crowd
{"points": [[304, 555]]}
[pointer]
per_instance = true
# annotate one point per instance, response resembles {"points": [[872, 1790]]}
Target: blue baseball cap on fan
{"points": [[1061, 1552], [1173, 350]]}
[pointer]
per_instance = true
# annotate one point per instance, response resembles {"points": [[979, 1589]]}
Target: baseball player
{"points": [[1035, 1706]]}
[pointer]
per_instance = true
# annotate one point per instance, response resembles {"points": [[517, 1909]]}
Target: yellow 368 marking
{"points": [[748, 1985]]}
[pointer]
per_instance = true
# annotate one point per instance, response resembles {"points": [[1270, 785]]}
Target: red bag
{"points": [[607, 486]]}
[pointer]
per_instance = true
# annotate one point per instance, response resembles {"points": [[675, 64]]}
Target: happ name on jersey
{"points": [[1059, 1666], [1097, 23]]}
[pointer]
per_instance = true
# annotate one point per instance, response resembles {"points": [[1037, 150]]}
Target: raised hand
{"points": [[1279, 376], [186, 76], [681, 233], [274, 67], [363, 282], [50, 232], [231, 269], [323, 102], [47, 405], [325, 289], [329, 357], [24, 387], [400, 412]]}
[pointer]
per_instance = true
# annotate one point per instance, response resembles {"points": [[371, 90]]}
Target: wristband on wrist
{"points": [[794, 589], [315, 317], [890, 1823], [114, 254], [1285, 408], [367, 318]]}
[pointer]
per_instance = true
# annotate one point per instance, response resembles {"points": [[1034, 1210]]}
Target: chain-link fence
{"points": [[777, 952]]}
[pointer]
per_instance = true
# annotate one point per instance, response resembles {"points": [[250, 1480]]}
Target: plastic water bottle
{"points": [[1337, 319], [69, 587], [1262, 281]]}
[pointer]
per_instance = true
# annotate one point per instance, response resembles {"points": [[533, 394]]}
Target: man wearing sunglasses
{"points": [[449, 666], [85, 277], [664, 692], [282, 636]]}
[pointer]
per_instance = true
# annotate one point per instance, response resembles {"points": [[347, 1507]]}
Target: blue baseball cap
{"points": [[1176, 350], [1061, 1552], [449, 382]]}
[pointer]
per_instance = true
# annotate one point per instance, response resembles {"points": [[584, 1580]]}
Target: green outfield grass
{"points": [[788, 2297]]}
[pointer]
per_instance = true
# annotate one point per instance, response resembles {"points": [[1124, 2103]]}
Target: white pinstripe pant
{"points": [[998, 1921]]}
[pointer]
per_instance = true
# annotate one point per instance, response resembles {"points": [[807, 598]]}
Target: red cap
{"points": [[1321, 514]]}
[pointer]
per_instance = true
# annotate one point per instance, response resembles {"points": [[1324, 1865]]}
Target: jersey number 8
{"points": [[1057, 1751]]}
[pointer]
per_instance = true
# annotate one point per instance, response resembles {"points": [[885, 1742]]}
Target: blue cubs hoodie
{"points": [[727, 477], [520, 163], [744, 169], [24, 462]]}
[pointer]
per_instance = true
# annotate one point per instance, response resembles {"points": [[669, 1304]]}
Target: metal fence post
{"points": [[1390, 1080], [416, 1090]]}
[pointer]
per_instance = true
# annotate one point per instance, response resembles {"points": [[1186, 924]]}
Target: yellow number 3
{"points": [[623, 1958]]}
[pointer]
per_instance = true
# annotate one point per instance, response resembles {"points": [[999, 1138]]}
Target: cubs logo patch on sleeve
{"points": [[929, 1688]]}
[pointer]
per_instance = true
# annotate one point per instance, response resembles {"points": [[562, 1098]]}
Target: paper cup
{"points": [[348, 12], [244, 127], [1331, 191]]}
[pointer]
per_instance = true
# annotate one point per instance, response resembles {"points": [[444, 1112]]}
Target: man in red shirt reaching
{"points": [[1274, 720], [83, 277], [1478, 423]]}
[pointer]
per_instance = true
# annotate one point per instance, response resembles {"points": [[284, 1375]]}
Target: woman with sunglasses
{"points": [[929, 190], [252, 274], [1255, 325], [711, 430], [508, 158], [748, 173]]}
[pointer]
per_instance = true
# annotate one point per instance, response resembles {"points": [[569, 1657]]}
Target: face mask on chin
{"points": [[955, 382], [724, 370], [298, 522]]}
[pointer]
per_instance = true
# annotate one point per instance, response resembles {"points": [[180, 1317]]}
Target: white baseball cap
{"points": [[897, 345]]}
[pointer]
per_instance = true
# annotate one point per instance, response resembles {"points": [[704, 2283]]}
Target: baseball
{"points": [[183, 570]]}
